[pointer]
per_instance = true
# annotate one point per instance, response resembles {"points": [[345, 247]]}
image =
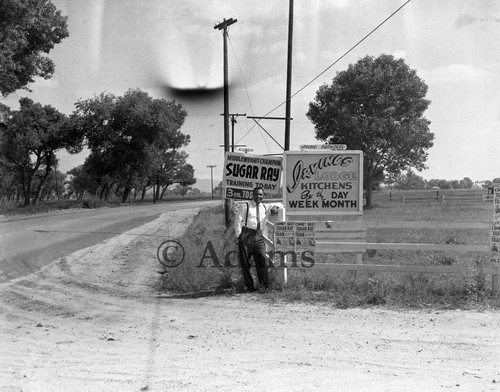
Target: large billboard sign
{"points": [[243, 173], [323, 182]]}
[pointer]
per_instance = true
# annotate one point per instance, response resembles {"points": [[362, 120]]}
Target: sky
{"points": [[157, 45]]}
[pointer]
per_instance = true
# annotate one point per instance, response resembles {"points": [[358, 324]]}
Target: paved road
{"points": [[29, 243]]}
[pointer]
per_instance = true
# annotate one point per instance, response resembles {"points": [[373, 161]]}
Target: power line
{"points": [[344, 55], [248, 98], [331, 65], [241, 74]]}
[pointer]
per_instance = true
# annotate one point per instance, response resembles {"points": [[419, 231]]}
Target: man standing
{"points": [[248, 226]]}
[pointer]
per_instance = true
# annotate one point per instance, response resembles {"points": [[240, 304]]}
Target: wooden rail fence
{"points": [[445, 199], [350, 237]]}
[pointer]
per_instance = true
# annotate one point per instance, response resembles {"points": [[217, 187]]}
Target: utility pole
{"points": [[233, 121], [223, 26], [289, 78], [212, 177]]}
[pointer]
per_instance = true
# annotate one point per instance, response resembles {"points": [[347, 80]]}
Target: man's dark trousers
{"points": [[251, 243]]}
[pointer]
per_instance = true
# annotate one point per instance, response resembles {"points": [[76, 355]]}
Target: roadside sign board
{"points": [[323, 182], [244, 172]]}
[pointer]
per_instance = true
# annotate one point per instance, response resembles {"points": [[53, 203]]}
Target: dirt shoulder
{"points": [[95, 322]]}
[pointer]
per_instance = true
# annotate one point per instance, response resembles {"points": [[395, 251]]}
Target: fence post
{"points": [[359, 255], [495, 283], [282, 271]]}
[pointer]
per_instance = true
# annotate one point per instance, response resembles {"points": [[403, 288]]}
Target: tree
{"points": [[29, 142], [376, 106], [9, 185], [80, 182], [182, 189], [444, 184], [466, 183], [217, 191], [409, 181], [132, 138], [433, 183], [184, 177], [4, 114], [27, 30], [53, 188], [164, 170]]}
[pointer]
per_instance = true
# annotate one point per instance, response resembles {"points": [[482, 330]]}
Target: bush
{"points": [[92, 202]]}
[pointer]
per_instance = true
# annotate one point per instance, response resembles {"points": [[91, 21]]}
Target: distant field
{"points": [[431, 194], [470, 287], [458, 213]]}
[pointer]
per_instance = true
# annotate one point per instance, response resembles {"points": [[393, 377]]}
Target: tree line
{"points": [[412, 181], [134, 141]]}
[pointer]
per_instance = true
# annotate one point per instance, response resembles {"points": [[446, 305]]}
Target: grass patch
{"points": [[211, 261], [16, 208], [211, 264]]}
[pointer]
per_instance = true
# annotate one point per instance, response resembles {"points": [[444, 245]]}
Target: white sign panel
{"points": [[243, 173], [323, 182]]}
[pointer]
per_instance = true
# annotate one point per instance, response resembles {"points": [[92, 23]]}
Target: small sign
{"points": [[294, 236], [244, 172], [305, 147]]}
